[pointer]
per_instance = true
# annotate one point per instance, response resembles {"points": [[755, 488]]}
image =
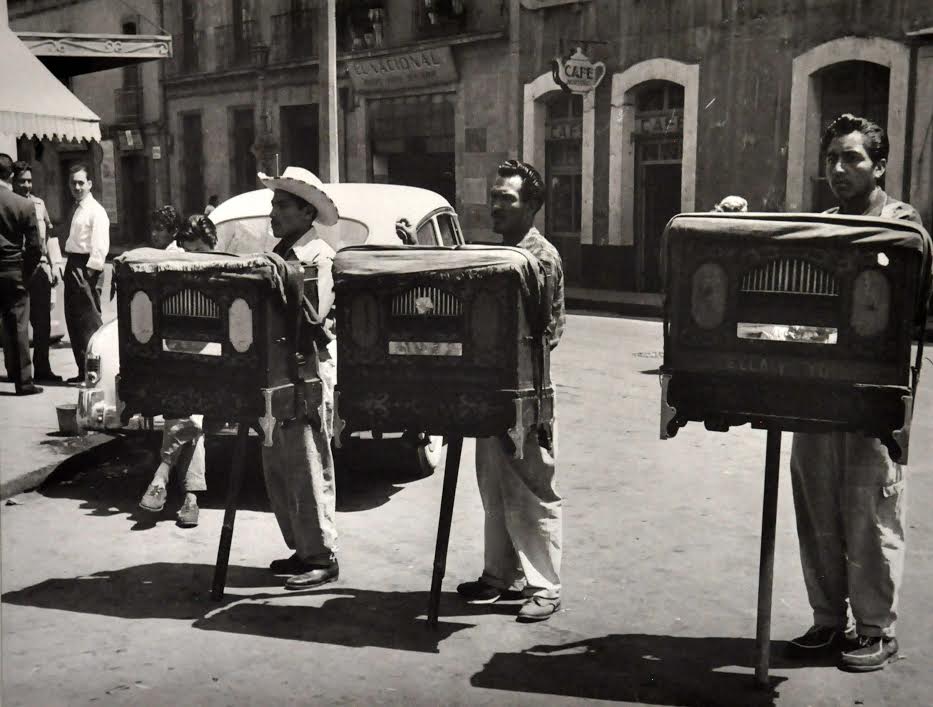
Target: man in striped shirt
{"points": [[523, 510]]}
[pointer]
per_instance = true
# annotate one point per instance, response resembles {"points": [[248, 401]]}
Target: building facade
{"points": [[707, 98], [424, 90], [110, 57]]}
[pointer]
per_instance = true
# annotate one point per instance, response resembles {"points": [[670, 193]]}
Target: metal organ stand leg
{"points": [[766, 563], [233, 495], [451, 470]]}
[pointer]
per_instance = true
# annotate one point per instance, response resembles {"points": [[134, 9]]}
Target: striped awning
{"points": [[33, 103]]}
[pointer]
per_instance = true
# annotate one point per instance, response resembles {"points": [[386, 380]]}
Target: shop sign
{"points": [[660, 124], [576, 73], [131, 139], [413, 69], [565, 130]]}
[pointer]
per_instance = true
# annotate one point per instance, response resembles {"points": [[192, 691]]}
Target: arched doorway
{"points": [[657, 136]]}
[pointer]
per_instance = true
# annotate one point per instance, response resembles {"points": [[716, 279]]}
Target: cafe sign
{"points": [[414, 69], [659, 124], [576, 73]]}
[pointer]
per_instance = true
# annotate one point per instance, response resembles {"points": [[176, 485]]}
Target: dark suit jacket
{"points": [[20, 248]]}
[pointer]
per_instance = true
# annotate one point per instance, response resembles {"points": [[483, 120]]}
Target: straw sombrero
{"points": [[305, 185]]}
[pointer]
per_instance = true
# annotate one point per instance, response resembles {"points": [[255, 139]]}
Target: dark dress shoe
{"points": [[289, 565], [75, 379], [29, 390], [321, 574], [47, 377]]}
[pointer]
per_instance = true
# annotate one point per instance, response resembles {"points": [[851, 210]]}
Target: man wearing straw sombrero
{"points": [[299, 466]]}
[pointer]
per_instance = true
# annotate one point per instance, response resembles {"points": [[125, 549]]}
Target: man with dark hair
{"points": [[164, 223], [43, 280], [19, 256], [86, 249], [856, 156], [523, 527], [849, 497]]}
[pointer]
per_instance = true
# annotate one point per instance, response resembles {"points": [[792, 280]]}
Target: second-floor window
{"points": [[442, 16], [361, 24]]}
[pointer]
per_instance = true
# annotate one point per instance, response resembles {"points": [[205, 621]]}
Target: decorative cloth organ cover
{"points": [[215, 333], [446, 340], [800, 321]]}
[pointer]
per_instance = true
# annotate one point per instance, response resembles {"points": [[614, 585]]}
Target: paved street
{"points": [[103, 605]]}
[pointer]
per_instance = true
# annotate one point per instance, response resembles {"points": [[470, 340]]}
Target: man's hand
{"points": [[45, 271], [405, 232], [50, 272]]}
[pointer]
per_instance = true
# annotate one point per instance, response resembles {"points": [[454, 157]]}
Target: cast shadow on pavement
{"points": [[110, 479], [640, 668], [343, 616], [333, 615]]}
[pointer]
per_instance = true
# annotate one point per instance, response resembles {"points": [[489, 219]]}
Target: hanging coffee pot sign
{"points": [[576, 73]]}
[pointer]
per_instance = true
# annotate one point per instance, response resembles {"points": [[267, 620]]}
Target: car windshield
{"points": [[254, 235]]}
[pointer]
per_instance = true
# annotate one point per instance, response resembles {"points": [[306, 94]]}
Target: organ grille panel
{"points": [[190, 303], [790, 275], [426, 301]]}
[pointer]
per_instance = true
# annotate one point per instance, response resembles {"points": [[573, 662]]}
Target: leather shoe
{"points": [[75, 379], [29, 389], [47, 377], [289, 565], [321, 574]]}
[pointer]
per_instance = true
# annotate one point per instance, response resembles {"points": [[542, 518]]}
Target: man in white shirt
{"points": [[86, 250]]}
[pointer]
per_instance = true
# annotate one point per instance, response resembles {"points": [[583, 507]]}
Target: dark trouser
{"points": [[82, 305], [40, 316], [14, 309]]}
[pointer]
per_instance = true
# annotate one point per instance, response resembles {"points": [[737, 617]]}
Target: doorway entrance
{"points": [[134, 185], [413, 142], [658, 185], [658, 138]]}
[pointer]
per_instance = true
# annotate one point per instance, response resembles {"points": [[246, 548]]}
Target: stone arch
{"points": [[622, 153], [533, 147], [805, 128]]}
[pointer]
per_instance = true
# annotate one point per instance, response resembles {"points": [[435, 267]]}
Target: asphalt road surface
{"points": [[104, 604]]}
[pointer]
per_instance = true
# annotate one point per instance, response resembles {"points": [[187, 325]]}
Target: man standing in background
{"points": [[43, 281], [86, 250], [19, 256]]}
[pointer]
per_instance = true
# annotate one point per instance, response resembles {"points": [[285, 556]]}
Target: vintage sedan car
{"points": [[368, 214]]}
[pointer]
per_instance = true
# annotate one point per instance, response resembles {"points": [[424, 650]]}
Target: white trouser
{"points": [[523, 516]]}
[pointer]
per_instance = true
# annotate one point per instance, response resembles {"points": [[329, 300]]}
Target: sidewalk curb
{"points": [[30, 480], [626, 309]]}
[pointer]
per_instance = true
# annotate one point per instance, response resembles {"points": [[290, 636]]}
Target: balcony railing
{"points": [[188, 54], [234, 44], [129, 104], [446, 17], [293, 36]]}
